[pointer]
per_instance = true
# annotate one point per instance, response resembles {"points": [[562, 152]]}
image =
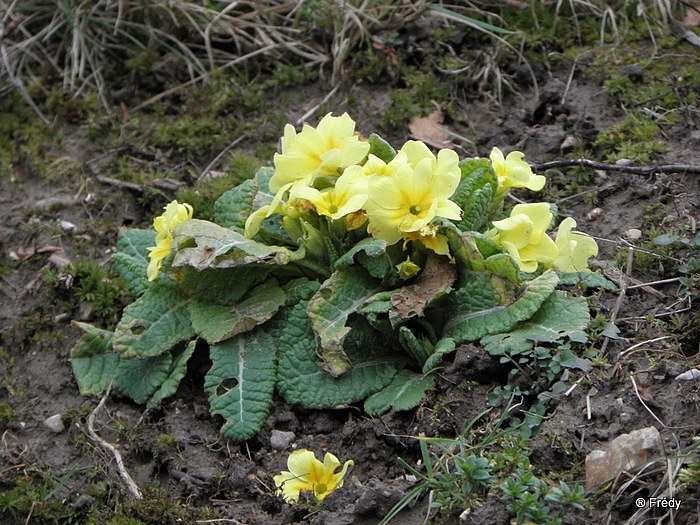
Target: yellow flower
{"points": [[307, 473], [376, 166], [164, 224], [574, 248], [514, 172], [524, 236], [419, 191], [347, 196], [324, 150]]}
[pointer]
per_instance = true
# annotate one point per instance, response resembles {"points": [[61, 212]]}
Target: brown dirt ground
{"points": [[37, 381]]}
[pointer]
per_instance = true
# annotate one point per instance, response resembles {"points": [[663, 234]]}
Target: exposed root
{"points": [[123, 473]]}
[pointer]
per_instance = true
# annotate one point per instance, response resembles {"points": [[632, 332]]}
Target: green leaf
{"points": [[464, 249], [241, 382], [405, 392], [472, 325], [503, 265], [222, 286], [141, 378], [381, 148], [301, 380], [419, 349], [371, 246], [588, 279], [216, 323], [178, 369], [93, 359], [442, 348], [232, 208], [203, 244], [474, 193], [131, 261], [154, 323], [340, 296], [559, 316]]}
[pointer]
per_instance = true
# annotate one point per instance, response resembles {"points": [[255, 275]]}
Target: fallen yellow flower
{"points": [[309, 474]]}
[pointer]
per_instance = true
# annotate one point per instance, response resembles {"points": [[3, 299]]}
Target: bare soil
{"points": [[233, 481]]}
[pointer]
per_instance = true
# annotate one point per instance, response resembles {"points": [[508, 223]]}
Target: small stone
{"points": [[67, 226], [626, 452], [280, 439], [569, 143], [691, 374], [633, 234], [633, 71], [55, 423]]}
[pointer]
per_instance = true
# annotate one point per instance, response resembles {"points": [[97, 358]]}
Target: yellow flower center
{"points": [[415, 209]]}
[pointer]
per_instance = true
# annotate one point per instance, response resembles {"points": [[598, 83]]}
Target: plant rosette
{"points": [[346, 272]]}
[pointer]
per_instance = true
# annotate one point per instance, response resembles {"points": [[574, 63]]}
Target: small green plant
{"points": [[460, 472], [346, 273]]}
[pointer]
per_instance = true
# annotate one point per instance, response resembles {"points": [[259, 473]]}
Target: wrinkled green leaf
{"points": [[141, 378], [588, 279], [93, 359], [222, 286], [474, 193], [340, 296], [241, 382], [503, 265], [300, 379], [559, 316], [419, 349], [216, 323], [154, 323], [203, 244], [177, 370], [232, 208], [131, 261], [442, 348], [371, 246], [406, 390], [473, 325]]}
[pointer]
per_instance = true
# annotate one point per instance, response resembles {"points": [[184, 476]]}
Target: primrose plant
{"points": [[346, 272]]}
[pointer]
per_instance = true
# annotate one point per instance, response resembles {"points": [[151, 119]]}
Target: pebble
{"points": [[691, 374], [624, 453], [55, 423], [280, 439]]}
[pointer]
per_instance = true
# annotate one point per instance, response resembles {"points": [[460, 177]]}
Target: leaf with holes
{"points": [[241, 382]]}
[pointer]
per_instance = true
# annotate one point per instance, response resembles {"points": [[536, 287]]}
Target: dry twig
{"points": [[123, 473], [634, 170]]}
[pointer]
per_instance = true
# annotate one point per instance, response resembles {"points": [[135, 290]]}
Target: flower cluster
{"points": [[306, 473], [164, 225], [329, 170]]}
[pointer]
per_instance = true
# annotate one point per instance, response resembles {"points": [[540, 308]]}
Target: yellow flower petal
{"points": [[575, 248], [174, 214], [324, 150], [513, 172]]}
